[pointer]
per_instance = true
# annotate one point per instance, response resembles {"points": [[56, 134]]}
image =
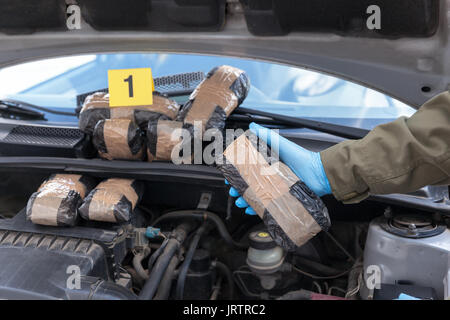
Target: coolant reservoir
{"points": [[263, 255], [406, 249]]}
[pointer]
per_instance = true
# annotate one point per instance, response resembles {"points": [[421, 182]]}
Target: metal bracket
{"points": [[205, 200]]}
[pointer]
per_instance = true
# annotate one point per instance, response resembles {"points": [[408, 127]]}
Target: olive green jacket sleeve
{"points": [[396, 157]]}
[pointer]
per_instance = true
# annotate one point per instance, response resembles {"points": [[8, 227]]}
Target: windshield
{"points": [[276, 88]]}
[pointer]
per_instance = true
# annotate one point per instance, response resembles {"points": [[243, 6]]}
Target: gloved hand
{"points": [[306, 164]]}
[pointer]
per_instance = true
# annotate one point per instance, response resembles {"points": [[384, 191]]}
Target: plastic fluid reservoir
{"points": [[263, 255], [406, 249]]}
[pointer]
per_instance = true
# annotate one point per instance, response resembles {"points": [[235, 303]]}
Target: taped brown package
{"points": [[292, 213], [113, 200], [57, 199], [216, 97], [163, 137], [118, 139], [96, 108]]}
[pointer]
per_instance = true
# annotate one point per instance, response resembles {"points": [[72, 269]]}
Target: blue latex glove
{"points": [[404, 296], [306, 164], [240, 201]]}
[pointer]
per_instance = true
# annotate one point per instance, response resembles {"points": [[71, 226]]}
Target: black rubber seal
{"points": [[261, 243]]}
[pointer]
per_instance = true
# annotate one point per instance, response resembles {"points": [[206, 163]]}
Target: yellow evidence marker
{"points": [[130, 87]]}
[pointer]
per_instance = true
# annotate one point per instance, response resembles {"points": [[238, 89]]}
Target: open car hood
{"points": [[408, 58]]}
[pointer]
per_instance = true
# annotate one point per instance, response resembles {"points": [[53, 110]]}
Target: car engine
{"points": [[187, 241]]}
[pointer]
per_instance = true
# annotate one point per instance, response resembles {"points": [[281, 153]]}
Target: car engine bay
{"points": [[187, 241]]}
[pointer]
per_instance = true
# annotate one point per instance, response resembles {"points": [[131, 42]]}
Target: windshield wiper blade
{"points": [[331, 128], [28, 106], [13, 110]]}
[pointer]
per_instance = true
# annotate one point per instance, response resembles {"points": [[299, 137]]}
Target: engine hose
{"points": [[176, 239], [156, 254], [296, 295], [187, 262], [222, 268], [137, 264], [204, 215], [166, 281], [316, 266]]}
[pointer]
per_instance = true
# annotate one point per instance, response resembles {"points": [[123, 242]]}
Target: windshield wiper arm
{"points": [[13, 110], [331, 128], [28, 106]]}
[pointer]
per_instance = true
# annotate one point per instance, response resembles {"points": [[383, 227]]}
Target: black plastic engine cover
{"points": [[34, 260]]}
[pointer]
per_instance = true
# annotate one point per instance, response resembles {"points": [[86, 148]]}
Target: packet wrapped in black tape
{"points": [[96, 108], [166, 141], [292, 213], [119, 139], [113, 200], [57, 199], [215, 98]]}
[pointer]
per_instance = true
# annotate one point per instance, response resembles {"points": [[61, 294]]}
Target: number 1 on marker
{"points": [[130, 85]]}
